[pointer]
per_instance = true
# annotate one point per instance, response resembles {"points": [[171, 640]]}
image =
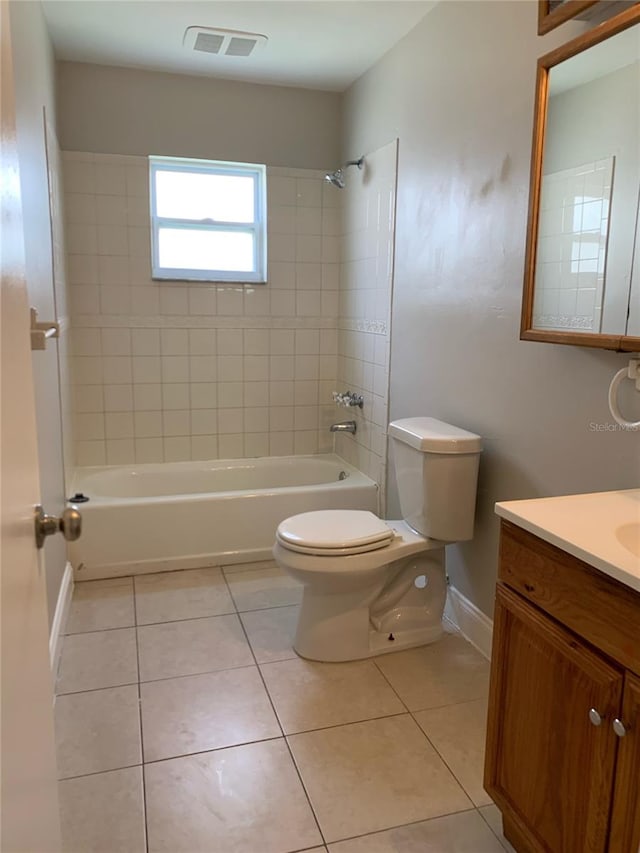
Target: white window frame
{"points": [[257, 228]]}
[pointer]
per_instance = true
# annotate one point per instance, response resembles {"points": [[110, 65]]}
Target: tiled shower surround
{"points": [[364, 317], [172, 371]]}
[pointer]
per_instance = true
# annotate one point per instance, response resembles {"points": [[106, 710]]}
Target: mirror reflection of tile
{"points": [[572, 246]]}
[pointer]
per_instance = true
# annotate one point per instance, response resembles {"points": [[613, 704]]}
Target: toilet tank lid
{"points": [[433, 436]]}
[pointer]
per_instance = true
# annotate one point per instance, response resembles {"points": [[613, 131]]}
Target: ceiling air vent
{"points": [[223, 42]]}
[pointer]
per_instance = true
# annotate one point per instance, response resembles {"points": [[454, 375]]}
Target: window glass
{"points": [[208, 220], [204, 250]]}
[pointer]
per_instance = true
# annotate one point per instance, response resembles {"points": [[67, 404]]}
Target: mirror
{"points": [[582, 282]]}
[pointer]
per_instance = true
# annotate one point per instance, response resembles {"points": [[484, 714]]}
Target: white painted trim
{"points": [[60, 617], [474, 625]]}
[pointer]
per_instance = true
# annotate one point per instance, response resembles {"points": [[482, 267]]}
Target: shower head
{"points": [[337, 178]]}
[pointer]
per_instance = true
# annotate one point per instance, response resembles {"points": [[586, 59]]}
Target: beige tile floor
{"points": [[186, 723]]}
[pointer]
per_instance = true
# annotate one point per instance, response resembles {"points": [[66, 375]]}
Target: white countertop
{"points": [[602, 528]]}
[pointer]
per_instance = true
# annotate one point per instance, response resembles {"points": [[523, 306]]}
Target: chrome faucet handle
{"points": [[348, 398]]}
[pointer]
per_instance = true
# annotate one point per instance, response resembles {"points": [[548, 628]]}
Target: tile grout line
{"points": [[347, 723], [101, 772], [374, 660], [429, 741], [441, 757], [401, 826], [144, 786], [502, 841], [284, 737], [273, 707], [210, 751]]}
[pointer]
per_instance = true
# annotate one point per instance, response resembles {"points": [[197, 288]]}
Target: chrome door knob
{"points": [[595, 717], [69, 524], [619, 727]]}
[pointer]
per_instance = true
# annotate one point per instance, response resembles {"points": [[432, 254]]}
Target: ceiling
{"points": [[319, 45]]}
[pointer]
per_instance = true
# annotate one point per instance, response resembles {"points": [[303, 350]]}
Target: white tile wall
{"points": [[572, 245], [175, 371], [366, 284]]}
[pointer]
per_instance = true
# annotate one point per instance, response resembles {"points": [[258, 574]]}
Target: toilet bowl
{"points": [[372, 586]]}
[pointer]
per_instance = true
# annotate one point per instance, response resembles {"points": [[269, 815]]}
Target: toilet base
{"points": [[401, 610], [381, 644]]}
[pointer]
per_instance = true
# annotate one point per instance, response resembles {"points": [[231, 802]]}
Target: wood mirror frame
{"points": [[624, 343], [551, 15]]}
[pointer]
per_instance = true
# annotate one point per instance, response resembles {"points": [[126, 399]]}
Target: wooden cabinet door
{"points": [[625, 821], [548, 768]]}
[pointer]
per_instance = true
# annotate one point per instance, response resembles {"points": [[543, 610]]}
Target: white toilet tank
{"points": [[437, 474]]}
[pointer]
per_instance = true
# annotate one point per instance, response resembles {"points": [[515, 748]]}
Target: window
{"points": [[207, 220]]}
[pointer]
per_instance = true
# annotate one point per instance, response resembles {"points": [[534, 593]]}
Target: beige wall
{"points": [[125, 111], [34, 80], [458, 92]]}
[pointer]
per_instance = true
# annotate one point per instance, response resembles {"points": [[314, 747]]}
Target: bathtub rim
{"points": [[355, 478]]}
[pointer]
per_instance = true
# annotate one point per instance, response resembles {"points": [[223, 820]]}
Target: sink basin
{"points": [[628, 535]]}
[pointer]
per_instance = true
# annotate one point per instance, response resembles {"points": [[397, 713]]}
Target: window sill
{"points": [[171, 280]]}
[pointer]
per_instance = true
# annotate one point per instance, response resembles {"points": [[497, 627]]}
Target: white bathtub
{"points": [[182, 515]]}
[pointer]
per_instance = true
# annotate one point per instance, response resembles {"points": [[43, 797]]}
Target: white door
{"points": [[30, 822]]}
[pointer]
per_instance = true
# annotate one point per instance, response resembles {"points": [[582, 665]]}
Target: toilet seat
{"points": [[334, 533]]}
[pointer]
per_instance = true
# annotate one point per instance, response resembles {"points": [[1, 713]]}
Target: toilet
{"points": [[372, 586]]}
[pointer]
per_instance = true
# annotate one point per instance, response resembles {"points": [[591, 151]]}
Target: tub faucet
{"points": [[345, 426]]}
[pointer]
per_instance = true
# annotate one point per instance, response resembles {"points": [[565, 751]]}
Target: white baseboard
{"points": [[474, 625], [60, 617]]}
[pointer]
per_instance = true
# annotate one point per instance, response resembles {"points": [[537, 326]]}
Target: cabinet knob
{"points": [[595, 717], [619, 727]]}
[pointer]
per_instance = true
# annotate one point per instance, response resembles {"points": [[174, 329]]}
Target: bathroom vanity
{"points": [[563, 739]]}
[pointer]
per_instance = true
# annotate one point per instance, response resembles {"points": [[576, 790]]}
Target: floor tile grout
{"points": [[400, 826], [446, 705], [348, 723], [374, 660], [97, 689], [502, 840], [144, 786], [289, 750], [214, 749], [101, 772], [188, 619], [442, 758], [99, 630]]}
